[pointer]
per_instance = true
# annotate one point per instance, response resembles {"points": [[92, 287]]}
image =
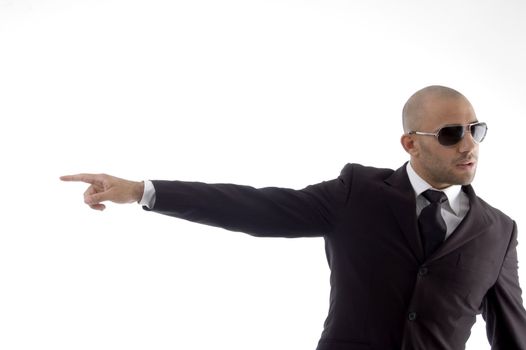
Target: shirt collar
{"points": [[420, 185]]}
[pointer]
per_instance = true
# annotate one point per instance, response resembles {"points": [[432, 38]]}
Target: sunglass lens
{"points": [[478, 131], [450, 135]]}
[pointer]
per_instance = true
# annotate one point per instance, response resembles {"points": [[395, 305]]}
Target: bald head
{"points": [[420, 103]]}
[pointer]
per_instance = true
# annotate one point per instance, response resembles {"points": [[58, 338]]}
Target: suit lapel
{"points": [[474, 224], [400, 196]]}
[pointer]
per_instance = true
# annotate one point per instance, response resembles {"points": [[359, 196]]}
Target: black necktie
{"points": [[431, 223]]}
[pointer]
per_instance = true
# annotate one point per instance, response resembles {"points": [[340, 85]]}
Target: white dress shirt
{"points": [[148, 196], [453, 210]]}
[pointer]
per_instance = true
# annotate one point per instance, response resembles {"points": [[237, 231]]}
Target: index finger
{"points": [[88, 178]]}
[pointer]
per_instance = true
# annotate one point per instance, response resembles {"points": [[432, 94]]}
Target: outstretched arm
{"points": [[107, 188], [271, 211]]}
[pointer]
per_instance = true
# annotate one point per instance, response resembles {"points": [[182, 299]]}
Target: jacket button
{"points": [[422, 271], [412, 316]]}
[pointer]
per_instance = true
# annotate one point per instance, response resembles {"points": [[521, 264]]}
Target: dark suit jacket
{"points": [[384, 294]]}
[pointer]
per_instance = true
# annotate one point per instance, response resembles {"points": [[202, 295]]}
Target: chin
{"points": [[456, 180], [464, 181], [465, 178]]}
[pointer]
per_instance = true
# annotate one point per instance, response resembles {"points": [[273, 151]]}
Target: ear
{"points": [[409, 144]]}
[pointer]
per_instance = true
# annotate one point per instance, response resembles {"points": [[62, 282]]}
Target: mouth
{"points": [[468, 165]]}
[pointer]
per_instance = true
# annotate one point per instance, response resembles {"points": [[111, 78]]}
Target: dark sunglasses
{"points": [[450, 135]]}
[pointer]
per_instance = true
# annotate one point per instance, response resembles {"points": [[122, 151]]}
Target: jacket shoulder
{"points": [[494, 213], [361, 172]]}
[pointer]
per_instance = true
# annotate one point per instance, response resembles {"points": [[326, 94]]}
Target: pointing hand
{"points": [[107, 188]]}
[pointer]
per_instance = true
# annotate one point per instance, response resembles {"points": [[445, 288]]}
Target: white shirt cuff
{"points": [[148, 196]]}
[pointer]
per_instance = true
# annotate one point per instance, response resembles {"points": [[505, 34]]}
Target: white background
{"points": [[258, 92]]}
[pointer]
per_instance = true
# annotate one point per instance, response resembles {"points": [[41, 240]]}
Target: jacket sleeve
{"points": [[502, 307], [270, 211]]}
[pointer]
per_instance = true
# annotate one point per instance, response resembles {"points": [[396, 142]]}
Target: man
{"points": [[414, 254]]}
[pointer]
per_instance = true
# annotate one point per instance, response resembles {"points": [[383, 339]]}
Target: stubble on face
{"points": [[442, 172]]}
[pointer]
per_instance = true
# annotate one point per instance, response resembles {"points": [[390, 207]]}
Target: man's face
{"points": [[443, 166]]}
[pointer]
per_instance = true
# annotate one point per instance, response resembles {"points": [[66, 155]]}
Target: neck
{"points": [[420, 172]]}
